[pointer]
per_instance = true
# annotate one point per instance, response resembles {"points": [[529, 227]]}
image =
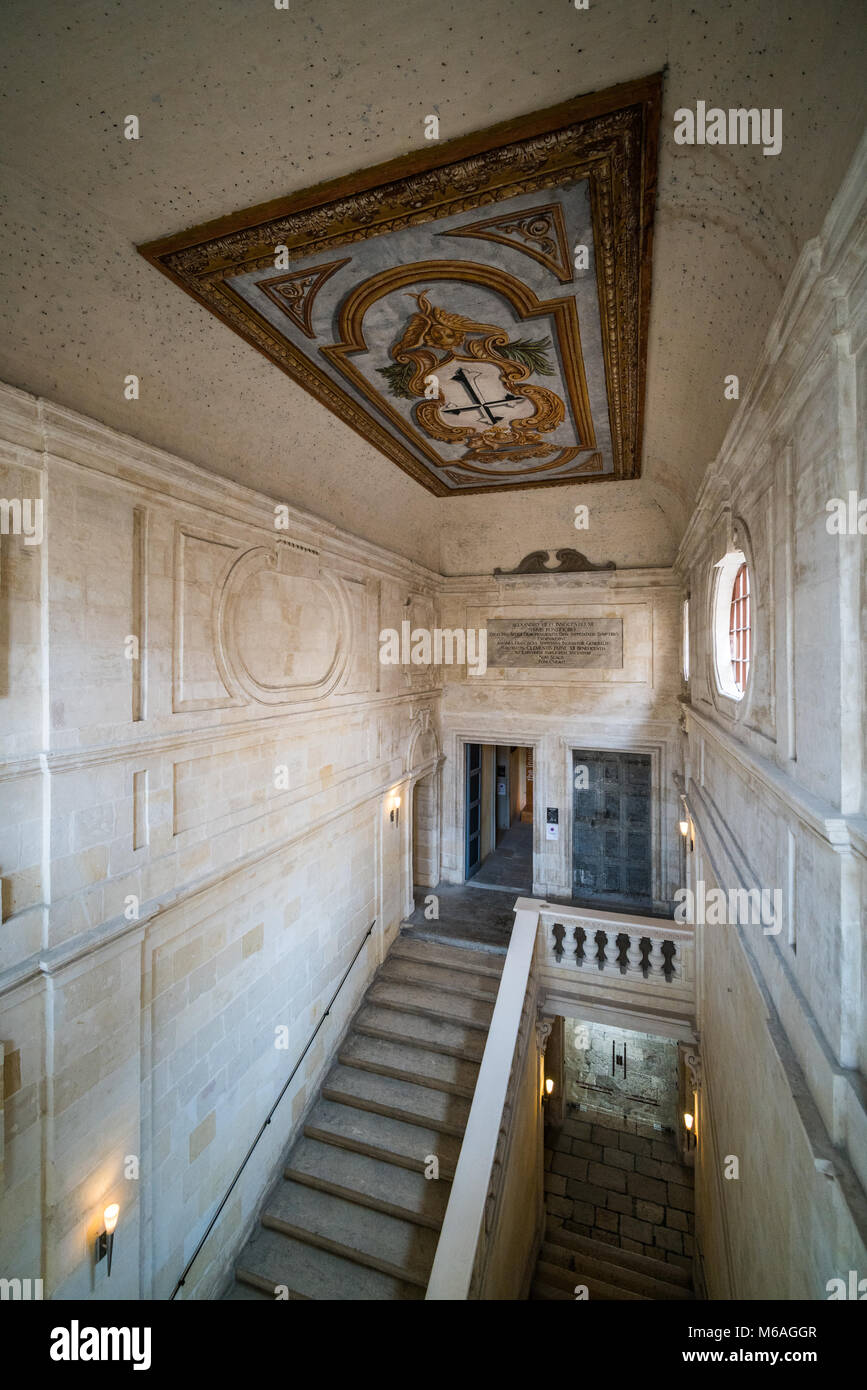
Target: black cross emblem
{"points": [[484, 407]]}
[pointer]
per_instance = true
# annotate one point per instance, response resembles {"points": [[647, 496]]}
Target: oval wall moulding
{"points": [[282, 629]]}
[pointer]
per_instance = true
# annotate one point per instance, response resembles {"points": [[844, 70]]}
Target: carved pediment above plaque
{"points": [[569, 562]]}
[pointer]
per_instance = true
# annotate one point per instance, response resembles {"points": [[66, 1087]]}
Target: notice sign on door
{"points": [[580, 643]]}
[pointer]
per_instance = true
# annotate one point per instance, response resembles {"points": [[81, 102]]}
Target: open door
{"points": [[473, 817]]}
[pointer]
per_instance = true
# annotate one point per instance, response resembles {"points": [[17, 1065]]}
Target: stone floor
{"points": [[510, 865], [480, 917], [618, 1181]]}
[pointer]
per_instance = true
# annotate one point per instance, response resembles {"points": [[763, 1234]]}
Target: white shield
{"points": [[476, 397]]}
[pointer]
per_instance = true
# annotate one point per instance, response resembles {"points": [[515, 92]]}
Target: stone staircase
{"points": [[353, 1216], [567, 1260], [618, 1211]]}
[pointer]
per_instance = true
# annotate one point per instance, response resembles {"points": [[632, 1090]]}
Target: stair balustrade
{"points": [[560, 960], [629, 952]]}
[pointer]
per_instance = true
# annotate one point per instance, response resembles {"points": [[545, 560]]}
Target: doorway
{"points": [[498, 816], [611, 835]]}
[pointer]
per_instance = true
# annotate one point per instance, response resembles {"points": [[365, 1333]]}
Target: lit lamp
{"points": [[549, 1085], [683, 826], [689, 1121], [105, 1239], [395, 810]]}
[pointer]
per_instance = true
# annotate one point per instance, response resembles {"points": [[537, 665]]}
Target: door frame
{"points": [[495, 736], [606, 743]]}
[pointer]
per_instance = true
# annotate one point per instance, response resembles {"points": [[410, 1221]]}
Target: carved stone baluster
{"points": [[622, 944], [601, 939], [580, 937], [645, 945], [559, 931]]}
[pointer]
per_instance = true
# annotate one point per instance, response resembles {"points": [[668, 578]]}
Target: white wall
{"points": [[776, 785], [148, 1030], [633, 708]]}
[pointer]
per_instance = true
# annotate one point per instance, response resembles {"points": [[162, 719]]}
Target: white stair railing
{"points": [[502, 1143], [557, 956]]}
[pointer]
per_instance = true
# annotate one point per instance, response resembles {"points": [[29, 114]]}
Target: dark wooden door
{"points": [[473, 815], [611, 848]]}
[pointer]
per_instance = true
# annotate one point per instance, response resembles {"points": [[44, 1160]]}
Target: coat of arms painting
{"points": [[478, 310]]}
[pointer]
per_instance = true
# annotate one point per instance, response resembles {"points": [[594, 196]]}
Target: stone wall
{"points": [[553, 711], [195, 837], [619, 1181], [775, 785]]}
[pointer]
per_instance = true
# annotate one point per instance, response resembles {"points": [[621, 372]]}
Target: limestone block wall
{"points": [[200, 755], [633, 708], [776, 788]]}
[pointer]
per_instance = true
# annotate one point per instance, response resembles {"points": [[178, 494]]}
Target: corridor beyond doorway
{"points": [[498, 813], [510, 865]]}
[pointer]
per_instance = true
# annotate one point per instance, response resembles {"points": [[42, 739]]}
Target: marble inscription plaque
{"points": [[579, 643]]}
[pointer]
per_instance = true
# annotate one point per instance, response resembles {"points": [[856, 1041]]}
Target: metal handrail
{"points": [[267, 1121]]}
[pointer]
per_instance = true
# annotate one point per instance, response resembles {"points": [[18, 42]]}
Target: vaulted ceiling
{"points": [[240, 103]]}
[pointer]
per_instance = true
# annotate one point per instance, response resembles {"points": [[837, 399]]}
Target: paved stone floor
{"points": [[619, 1181], [480, 917], [510, 865]]}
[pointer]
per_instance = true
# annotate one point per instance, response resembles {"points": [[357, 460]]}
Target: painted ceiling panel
{"points": [[478, 312]]}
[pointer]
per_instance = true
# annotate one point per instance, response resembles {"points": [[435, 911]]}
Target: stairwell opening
{"points": [[618, 1181]]}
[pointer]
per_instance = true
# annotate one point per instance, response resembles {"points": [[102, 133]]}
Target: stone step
{"points": [[270, 1260], [393, 1141], [370, 1181], [415, 1030], [556, 1277], [487, 963], [645, 1264], [540, 1291], [410, 1064], [432, 1003], [439, 977], [588, 1266], [402, 1249], [238, 1291], [402, 1100]]}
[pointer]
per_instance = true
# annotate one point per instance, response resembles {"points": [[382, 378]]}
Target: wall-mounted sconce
{"points": [[105, 1239], [683, 826], [395, 810], [689, 1123], [549, 1085]]}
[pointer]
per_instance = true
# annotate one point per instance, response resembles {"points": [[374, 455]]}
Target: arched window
{"points": [[732, 625], [685, 645], [739, 628]]}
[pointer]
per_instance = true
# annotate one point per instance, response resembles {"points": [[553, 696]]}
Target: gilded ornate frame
{"points": [[609, 138]]}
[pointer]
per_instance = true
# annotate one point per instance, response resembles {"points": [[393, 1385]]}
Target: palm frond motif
{"points": [[398, 378], [531, 353]]}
